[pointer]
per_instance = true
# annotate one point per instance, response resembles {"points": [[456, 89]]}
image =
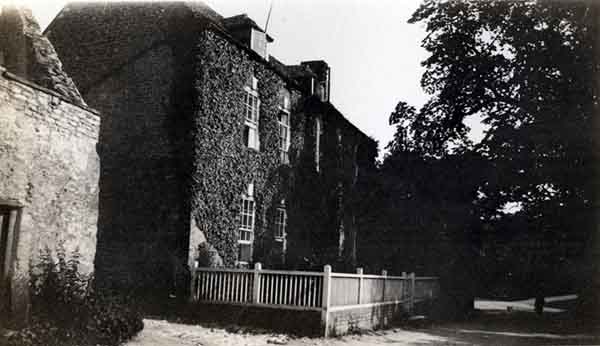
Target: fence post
{"points": [[325, 299], [412, 291], [194, 294], [359, 271], [384, 274], [256, 283]]}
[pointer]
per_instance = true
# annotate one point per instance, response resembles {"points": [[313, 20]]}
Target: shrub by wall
{"points": [[67, 311]]}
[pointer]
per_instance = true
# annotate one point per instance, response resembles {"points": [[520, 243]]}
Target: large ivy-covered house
{"points": [[207, 142]]}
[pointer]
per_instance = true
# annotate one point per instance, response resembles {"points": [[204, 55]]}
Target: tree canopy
{"points": [[525, 70]]}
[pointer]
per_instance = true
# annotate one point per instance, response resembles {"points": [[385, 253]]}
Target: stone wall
{"points": [[144, 213], [361, 318], [27, 53], [365, 318], [50, 167], [131, 62]]}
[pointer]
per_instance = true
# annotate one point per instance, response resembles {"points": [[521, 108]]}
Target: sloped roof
{"points": [[97, 38], [314, 104], [30, 55]]}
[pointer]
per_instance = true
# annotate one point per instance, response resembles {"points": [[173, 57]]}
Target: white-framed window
{"points": [[284, 131], [318, 133], [247, 216], [246, 229], [258, 42], [280, 223], [251, 115]]}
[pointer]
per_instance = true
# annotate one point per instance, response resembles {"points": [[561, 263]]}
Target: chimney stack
{"points": [[323, 72]]}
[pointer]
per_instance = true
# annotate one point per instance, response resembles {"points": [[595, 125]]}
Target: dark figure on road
{"points": [[539, 302]]}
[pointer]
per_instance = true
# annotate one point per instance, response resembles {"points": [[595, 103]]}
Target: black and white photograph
{"points": [[300, 172]]}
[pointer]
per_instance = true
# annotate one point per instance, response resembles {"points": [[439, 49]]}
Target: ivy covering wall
{"points": [[223, 166]]}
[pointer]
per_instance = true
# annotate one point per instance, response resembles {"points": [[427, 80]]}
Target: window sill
{"points": [[242, 264]]}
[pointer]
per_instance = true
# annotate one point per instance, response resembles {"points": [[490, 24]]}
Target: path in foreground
{"points": [[163, 333], [491, 325]]}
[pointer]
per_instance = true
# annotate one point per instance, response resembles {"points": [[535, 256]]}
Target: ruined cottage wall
{"points": [[25, 52], [143, 203], [50, 167]]}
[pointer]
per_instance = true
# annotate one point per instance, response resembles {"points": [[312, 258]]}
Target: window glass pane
{"points": [[280, 221], [252, 138], [252, 106], [246, 228], [244, 254], [247, 135]]}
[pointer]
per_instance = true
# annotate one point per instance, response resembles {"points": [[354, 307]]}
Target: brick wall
{"points": [[51, 168]]}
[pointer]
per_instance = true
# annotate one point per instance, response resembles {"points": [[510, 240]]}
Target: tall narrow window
{"points": [[246, 228], [280, 223], [318, 132], [252, 108], [284, 131]]}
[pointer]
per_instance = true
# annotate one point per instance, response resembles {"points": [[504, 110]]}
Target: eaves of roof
{"points": [[328, 108]]}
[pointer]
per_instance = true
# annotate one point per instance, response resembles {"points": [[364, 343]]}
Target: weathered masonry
{"points": [[49, 168], [210, 149]]}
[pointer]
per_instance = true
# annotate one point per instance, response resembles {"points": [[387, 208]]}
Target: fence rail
{"points": [[320, 291]]}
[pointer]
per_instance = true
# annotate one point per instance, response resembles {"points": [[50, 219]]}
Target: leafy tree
{"points": [[526, 70]]}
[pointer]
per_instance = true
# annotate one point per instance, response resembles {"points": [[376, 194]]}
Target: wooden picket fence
{"points": [[310, 291], [268, 288]]}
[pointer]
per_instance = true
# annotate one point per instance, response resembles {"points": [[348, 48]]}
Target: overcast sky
{"points": [[373, 53]]}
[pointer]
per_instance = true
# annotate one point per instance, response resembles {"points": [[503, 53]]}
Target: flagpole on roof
{"points": [[269, 16]]}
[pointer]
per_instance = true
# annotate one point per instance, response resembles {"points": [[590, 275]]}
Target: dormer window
{"points": [[247, 32], [284, 130], [258, 42], [252, 115]]}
